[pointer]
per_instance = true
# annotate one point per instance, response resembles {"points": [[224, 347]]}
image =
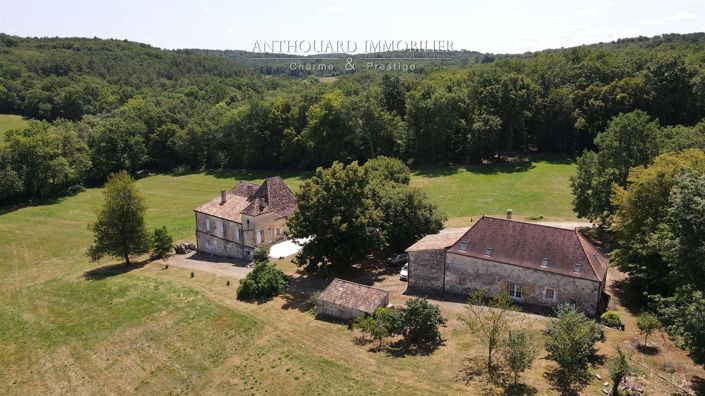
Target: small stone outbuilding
{"points": [[534, 264], [347, 300]]}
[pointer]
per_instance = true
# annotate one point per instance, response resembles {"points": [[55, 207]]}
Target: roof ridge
{"points": [[530, 223], [357, 284], [582, 239]]}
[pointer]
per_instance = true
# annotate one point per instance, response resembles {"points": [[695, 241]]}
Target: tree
{"points": [[407, 214], [420, 321], [650, 220], [161, 243], [260, 255], [119, 230], [619, 368], [629, 140], [683, 316], [384, 323], [489, 320], [647, 323], [264, 281], [337, 213], [519, 352], [570, 340]]}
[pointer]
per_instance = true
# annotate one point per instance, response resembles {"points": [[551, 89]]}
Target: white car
{"points": [[404, 273]]}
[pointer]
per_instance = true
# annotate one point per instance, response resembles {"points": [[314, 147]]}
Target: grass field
{"points": [[64, 329], [10, 121]]}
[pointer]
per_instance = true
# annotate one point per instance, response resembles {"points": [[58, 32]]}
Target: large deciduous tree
{"points": [[336, 211], [119, 230], [630, 140], [352, 211], [653, 248]]}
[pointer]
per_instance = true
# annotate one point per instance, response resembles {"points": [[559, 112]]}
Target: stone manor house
{"points": [[534, 264], [244, 218]]}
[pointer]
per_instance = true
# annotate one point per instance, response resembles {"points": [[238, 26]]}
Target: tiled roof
{"points": [[354, 295], [272, 195], [526, 245], [252, 199], [446, 238]]}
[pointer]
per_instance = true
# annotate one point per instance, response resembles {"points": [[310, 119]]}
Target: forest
{"points": [[107, 105]]}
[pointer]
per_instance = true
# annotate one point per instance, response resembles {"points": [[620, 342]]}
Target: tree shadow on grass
{"points": [[647, 349], [115, 269], [302, 287], [697, 384], [568, 384], [520, 389], [630, 295], [402, 348], [484, 169], [475, 370]]}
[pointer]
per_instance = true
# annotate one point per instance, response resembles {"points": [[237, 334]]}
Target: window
{"points": [[544, 262], [208, 224], [270, 235], [238, 234], [464, 245], [260, 236], [515, 291], [550, 294], [578, 267], [488, 251], [278, 232]]}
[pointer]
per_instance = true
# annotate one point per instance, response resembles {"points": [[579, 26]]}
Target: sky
{"points": [[500, 26]]}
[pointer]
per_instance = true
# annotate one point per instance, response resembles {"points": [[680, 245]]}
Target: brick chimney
{"points": [[509, 214], [222, 197]]}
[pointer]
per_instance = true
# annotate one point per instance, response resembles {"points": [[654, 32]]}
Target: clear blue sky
{"points": [[491, 26]]}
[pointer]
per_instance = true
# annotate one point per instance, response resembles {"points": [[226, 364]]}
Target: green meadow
{"points": [[67, 329]]}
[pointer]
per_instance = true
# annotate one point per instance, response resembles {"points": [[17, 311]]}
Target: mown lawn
{"points": [[530, 189], [154, 331]]}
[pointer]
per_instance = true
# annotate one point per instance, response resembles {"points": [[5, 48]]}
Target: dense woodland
{"points": [[109, 105]]}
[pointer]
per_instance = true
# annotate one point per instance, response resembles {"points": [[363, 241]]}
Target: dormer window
{"points": [[544, 262], [464, 246], [488, 251], [577, 268]]}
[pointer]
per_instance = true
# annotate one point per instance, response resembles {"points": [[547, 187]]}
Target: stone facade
{"points": [[426, 270], [534, 264], [230, 239], [242, 219], [465, 274]]}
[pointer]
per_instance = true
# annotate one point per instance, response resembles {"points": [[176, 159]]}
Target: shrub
{"points": [[264, 281], [611, 319], [419, 322], [260, 255], [161, 243]]}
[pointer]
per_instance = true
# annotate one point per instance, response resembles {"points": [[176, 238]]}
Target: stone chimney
{"points": [[222, 197], [509, 214]]}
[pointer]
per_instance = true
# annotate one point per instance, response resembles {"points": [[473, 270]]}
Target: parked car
{"points": [[398, 259], [404, 273]]}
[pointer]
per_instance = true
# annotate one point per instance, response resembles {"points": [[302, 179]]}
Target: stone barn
{"points": [[348, 300], [534, 264]]}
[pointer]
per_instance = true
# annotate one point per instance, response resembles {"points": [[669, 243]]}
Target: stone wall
{"points": [[218, 236], [426, 270], [465, 274], [337, 311]]}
